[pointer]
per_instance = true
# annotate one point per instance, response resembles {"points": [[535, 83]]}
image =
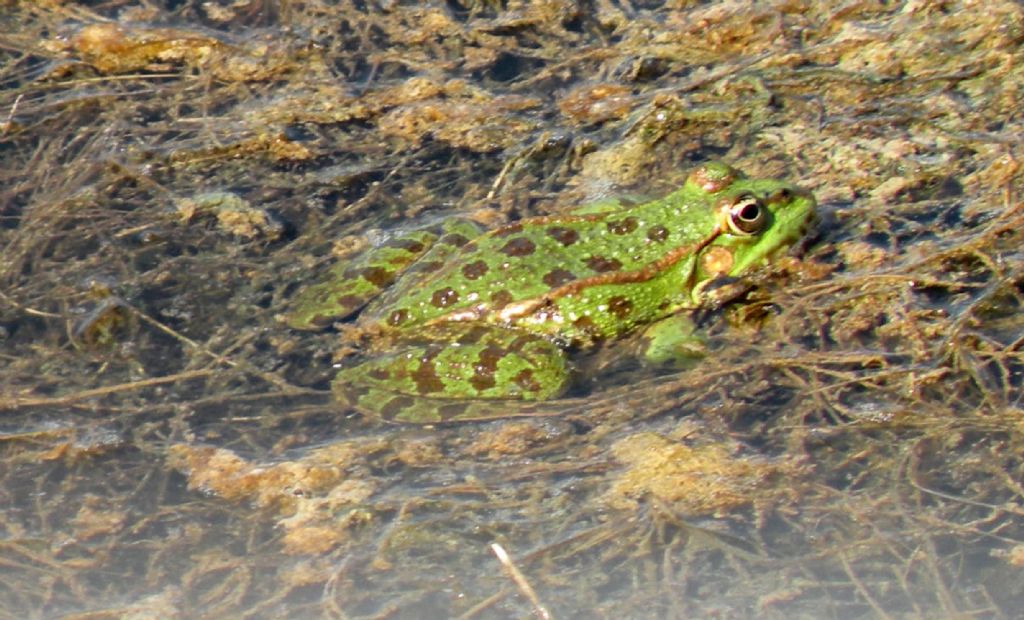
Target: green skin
{"points": [[477, 322]]}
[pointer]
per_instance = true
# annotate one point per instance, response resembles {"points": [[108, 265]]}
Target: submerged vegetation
{"points": [[171, 173]]}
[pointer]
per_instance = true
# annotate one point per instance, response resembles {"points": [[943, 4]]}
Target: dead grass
{"points": [[170, 174]]}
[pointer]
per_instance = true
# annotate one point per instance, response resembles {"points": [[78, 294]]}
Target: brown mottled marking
{"points": [[353, 392], [349, 301], [487, 361], [396, 405], [657, 233], [482, 381], [409, 245], [620, 306], [538, 222], [558, 277], [563, 235], [454, 239], [624, 226], [485, 367], [426, 379], [474, 270], [380, 374], [647, 272], [398, 316], [473, 335], [524, 379], [781, 195], [442, 298], [432, 350], [519, 246], [425, 266], [450, 411], [601, 264], [585, 324], [500, 299], [378, 276], [507, 229]]}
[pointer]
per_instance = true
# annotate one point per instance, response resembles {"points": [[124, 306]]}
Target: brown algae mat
{"points": [[173, 172]]}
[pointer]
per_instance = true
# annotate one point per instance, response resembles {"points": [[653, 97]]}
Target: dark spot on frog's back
{"points": [[474, 270], [558, 277], [442, 298], [601, 264], [563, 235], [620, 306], [378, 276], [657, 233], [519, 246], [623, 226]]}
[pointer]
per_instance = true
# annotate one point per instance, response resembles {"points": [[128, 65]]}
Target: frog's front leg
{"points": [[460, 371], [673, 341], [351, 284]]}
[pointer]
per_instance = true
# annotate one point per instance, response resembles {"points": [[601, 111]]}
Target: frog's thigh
{"points": [[439, 381], [673, 340]]}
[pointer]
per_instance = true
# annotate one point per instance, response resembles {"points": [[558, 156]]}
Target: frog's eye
{"points": [[747, 216]]}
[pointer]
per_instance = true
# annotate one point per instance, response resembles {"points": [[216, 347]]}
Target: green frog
{"points": [[470, 324]]}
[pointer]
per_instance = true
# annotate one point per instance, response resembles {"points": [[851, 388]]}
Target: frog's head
{"points": [[757, 219]]}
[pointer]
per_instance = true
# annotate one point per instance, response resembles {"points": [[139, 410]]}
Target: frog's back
{"points": [[497, 274]]}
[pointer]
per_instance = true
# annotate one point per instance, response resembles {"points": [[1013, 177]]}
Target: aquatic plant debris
{"points": [[848, 446]]}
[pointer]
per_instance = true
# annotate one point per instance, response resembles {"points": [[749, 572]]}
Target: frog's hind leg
{"points": [[481, 372], [351, 284]]}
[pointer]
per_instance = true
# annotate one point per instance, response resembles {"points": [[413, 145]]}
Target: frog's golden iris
{"points": [[471, 316]]}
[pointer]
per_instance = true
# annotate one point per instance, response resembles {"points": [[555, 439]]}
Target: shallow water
{"points": [[172, 173]]}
